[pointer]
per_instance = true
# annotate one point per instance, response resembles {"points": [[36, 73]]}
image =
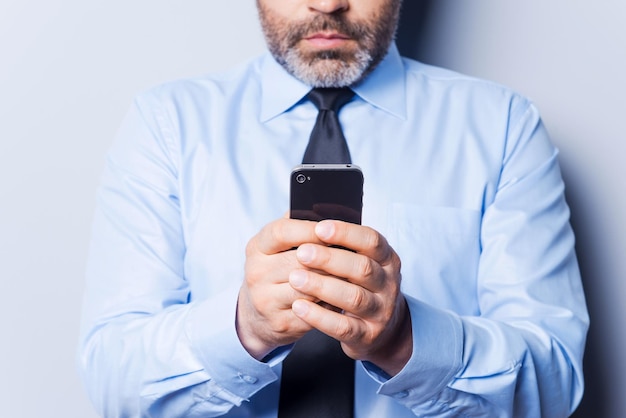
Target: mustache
{"points": [[322, 23]]}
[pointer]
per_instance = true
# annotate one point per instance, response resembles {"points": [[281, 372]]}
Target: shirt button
{"points": [[401, 395], [248, 379]]}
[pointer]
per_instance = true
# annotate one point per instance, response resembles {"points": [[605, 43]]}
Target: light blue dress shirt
{"points": [[460, 177]]}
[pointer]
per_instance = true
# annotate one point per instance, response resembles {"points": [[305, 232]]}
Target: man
{"points": [[461, 295]]}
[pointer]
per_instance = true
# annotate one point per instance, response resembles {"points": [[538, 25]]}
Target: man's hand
{"points": [[365, 284], [265, 319], [287, 292]]}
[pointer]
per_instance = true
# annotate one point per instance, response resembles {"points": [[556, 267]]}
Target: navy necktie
{"points": [[327, 144], [318, 378]]}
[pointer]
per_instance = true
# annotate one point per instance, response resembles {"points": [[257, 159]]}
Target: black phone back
{"points": [[327, 191]]}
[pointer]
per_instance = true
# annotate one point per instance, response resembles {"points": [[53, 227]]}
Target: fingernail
{"points": [[297, 278], [305, 253], [300, 308], [324, 230]]}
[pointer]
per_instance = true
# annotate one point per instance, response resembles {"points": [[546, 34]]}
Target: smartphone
{"points": [[327, 191]]}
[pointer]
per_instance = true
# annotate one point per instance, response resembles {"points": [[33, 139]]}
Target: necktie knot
{"points": [[330, 98]]}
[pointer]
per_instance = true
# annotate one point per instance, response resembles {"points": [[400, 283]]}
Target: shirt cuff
{"points": [[436, 358], [211, 329]]}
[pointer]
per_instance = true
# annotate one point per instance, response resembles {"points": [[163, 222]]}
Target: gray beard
{"points": [[334, 67], [327, 71]]}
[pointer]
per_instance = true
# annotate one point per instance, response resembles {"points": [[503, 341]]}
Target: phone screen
{"points": [[327, 191]]}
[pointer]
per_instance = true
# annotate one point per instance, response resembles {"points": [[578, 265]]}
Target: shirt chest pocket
{"points": [[440, 250]]}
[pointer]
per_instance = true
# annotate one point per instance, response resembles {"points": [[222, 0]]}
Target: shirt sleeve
{"points": [[522, 355], [146, 348]]}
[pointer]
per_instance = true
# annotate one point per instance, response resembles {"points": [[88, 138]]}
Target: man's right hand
{"points": [[265, 319]]}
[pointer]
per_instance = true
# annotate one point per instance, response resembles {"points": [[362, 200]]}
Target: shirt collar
{"points": [[384, 88]]}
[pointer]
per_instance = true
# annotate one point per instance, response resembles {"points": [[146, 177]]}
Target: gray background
{"points": [[69, 70]]}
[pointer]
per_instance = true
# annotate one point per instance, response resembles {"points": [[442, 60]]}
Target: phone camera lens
{"points": [[300, 178]]}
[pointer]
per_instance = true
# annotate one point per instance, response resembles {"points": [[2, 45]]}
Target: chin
{"points": [[330, 68]]}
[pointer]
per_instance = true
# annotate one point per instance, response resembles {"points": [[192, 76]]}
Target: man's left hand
{"points": [[373, 322]]}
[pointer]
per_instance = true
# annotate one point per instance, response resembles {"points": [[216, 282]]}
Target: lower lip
{"points": [[325, 43]]}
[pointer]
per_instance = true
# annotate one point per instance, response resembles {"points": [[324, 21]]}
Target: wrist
{"points": [[397, 351], [250, 341]]}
